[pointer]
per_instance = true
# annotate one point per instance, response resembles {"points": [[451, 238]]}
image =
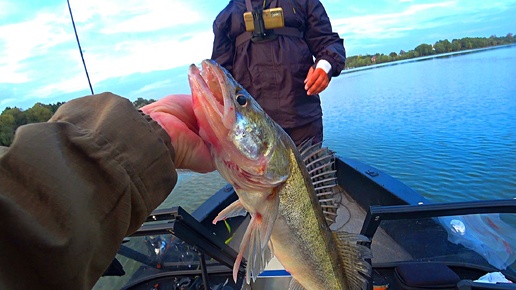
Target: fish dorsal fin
{"points": [[353, 255], [320, 165], [294, 285]]}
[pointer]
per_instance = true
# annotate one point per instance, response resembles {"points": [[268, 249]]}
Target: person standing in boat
{"points": [[72, 188], [271, 52]]}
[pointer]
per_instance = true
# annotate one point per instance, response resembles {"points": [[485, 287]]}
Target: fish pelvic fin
{"points": [[320, 164], [256, 240], [294, 285], [257, 256], [233, 210], [354, 256]]}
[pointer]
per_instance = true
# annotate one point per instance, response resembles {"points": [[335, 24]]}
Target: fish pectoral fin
{"points": [[294, 285], [353, 255], [233, 210]]}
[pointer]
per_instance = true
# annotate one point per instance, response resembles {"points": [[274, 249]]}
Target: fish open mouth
{"points": [[210, 91]]}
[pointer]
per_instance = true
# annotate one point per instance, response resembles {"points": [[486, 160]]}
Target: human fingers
{"points": [[179, 105], [175, 115], [308, 80], [317, 82]]}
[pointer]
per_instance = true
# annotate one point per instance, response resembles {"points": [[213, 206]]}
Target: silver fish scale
{"points": [[246, 138]]}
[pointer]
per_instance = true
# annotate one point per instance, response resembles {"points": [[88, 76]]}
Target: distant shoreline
{"points": [[421, 58]]}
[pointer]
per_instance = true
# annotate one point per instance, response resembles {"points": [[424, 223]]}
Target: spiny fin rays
{"points": [[319, 163], [353, 256]]}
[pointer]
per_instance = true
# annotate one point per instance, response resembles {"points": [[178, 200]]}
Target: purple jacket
{"points": [[273, 72]]}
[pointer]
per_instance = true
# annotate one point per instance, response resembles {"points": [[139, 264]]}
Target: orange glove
{"points": [[316, 81], [175, 115]]}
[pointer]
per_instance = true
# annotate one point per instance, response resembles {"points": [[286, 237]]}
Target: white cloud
{"points": [[391, 25], [149, 55], [118, 38], [152, 87], [4, 102], [10, 74], [5, 8], [133, 15], [425, 7], [73, 83], [24, 40], [130, 57]]}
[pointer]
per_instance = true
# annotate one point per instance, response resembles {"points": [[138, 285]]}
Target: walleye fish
{"points": [[271, 179]]}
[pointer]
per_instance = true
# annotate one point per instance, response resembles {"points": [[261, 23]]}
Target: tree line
{"points": [[12, 118], [441, 46]]}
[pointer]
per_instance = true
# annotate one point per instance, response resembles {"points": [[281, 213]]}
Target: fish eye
{"points": [[241, 100]]}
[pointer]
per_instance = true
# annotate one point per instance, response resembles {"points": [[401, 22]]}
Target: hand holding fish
{"points": [[174, 113]]}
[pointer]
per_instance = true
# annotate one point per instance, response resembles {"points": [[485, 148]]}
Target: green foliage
{"points": [[12, 118], [140, 102], [38, 113], [6, 129], [425, 49], [441, 46], [18, 116]]}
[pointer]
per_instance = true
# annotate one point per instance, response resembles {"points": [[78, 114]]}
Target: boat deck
{"points": [[350, 217]]}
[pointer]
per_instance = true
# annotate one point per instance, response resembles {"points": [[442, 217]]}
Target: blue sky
{"points": [[143, 48]]}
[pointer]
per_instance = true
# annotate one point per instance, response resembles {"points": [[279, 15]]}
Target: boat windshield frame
{"points": [[378, 213], [456, 210]]}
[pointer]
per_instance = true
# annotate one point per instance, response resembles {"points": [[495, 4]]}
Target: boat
{"points": [[416, 243]]}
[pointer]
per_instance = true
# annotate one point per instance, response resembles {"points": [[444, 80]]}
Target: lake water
{"points": [[444, 126]]}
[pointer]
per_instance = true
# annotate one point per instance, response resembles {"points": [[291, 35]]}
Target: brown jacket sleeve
{"points": [[71, 189]]}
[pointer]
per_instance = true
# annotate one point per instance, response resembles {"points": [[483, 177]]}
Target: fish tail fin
{"points": [[354, 256], [320, 162]]}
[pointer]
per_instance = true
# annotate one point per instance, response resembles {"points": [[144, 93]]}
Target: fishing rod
{"points": [[79, 44]]}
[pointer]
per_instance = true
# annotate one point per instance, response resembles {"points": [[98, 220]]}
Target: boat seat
{"points": [[425, 276]]}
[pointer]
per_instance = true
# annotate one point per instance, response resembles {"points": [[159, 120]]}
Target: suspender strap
{"points": [[287, 31], [249, 6], [274, 3]]}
